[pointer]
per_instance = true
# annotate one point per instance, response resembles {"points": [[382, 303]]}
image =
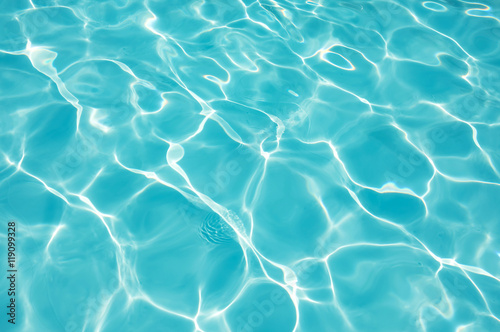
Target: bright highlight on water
{"points": [[250, 166]]}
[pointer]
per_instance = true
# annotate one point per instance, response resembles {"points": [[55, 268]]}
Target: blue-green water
{"points": [[244, 166]]}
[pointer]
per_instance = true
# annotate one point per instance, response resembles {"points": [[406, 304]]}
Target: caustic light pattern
{"points": [[251, 165]]}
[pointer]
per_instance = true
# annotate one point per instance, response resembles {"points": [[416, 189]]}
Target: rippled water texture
{"points": [[246, 166]]}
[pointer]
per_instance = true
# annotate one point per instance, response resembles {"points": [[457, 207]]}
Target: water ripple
{"points": [[271, 165]]}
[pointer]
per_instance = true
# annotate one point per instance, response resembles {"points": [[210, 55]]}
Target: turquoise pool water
{"points": [[250, 166]]}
